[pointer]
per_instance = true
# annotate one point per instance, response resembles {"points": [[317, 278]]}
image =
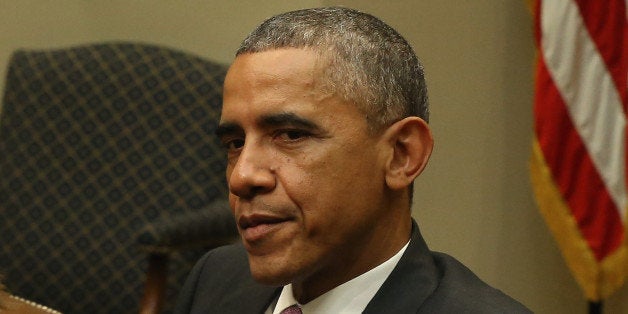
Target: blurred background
{"points": [[474, 201]]}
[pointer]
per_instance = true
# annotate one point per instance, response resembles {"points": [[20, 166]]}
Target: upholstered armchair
{"points": [[110, 176]]}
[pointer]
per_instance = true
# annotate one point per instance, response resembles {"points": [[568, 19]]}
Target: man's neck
{"points": [[354, 261], [352, 296]]}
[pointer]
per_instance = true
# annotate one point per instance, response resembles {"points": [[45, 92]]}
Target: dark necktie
{"points": [[293, 309]]}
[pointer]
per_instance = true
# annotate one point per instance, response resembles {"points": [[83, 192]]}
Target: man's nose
{"points": [[251, 174]]}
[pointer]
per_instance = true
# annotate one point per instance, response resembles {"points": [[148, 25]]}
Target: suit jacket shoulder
{"points": [[221, 282], [429, 282], [461, 291]]}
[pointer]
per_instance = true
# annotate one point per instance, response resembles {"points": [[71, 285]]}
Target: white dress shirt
{"points": [[350, 297]]}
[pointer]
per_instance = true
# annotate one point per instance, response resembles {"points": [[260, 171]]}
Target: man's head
{"points": [[366, 61], [318, 173]]}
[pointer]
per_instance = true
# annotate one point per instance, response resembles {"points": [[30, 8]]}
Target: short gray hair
{"points": [[368, 62]]}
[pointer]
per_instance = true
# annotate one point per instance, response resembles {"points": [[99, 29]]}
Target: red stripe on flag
{"points": [[606, 23], [610, 35], [573, 170]]}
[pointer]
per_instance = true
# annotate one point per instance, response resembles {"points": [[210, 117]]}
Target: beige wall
{"points": [[474, 200], [210, 28]]}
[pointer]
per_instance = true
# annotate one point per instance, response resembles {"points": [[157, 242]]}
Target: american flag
{"points": [[578, 164]]}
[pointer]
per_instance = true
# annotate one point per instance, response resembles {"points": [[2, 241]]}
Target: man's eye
{"points": [[234, 144], [292, 135]]}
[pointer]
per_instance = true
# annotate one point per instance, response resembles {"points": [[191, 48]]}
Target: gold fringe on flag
{"points": [[597, 279]]}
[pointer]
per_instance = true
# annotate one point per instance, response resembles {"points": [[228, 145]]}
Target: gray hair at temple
{"points": [[367, 61]]}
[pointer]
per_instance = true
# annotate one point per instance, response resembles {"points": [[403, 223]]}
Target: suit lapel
{"points": [[255, 299], [412, 281], [225, 285], [247, 297]]}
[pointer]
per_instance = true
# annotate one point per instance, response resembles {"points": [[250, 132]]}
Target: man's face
{"points": [[305, 176]]}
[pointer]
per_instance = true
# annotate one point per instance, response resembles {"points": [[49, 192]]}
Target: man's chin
{"points": [[271, 279], [272, 273]]}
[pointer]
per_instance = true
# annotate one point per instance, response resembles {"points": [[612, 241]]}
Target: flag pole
{"points": [[595, 307]]}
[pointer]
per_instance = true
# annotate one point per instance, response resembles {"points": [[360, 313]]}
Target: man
{"points": [[324, 123]]}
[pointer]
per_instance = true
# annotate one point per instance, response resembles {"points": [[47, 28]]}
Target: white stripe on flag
{"points": [[588, 91]]}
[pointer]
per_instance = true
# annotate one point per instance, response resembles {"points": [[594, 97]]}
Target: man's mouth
{"points": [[255, 227], [250, 221]]}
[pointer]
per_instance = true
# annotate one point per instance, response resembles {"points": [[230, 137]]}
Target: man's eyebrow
{"points": [[286, 119], [226, 128]]}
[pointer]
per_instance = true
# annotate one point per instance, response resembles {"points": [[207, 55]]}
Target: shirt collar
{"points": [[350, 297]]}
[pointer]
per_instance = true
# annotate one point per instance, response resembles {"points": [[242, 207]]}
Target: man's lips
{"points": [[253, 220], [254, 227]]}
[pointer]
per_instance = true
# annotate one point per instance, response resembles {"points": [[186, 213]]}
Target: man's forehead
{"points": [[274, 77], [283, 62], [278, 83]]}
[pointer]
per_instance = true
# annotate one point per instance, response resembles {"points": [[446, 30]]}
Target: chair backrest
{"points": [[97, 141]]}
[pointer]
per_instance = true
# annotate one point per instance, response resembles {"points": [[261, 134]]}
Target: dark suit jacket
{"points": [[422, 282]]}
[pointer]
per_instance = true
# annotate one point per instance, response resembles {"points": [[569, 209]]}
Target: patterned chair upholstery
{"points": [[107, 154]]}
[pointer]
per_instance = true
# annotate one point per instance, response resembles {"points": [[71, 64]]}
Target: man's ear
{"points": [[411, 142]]}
